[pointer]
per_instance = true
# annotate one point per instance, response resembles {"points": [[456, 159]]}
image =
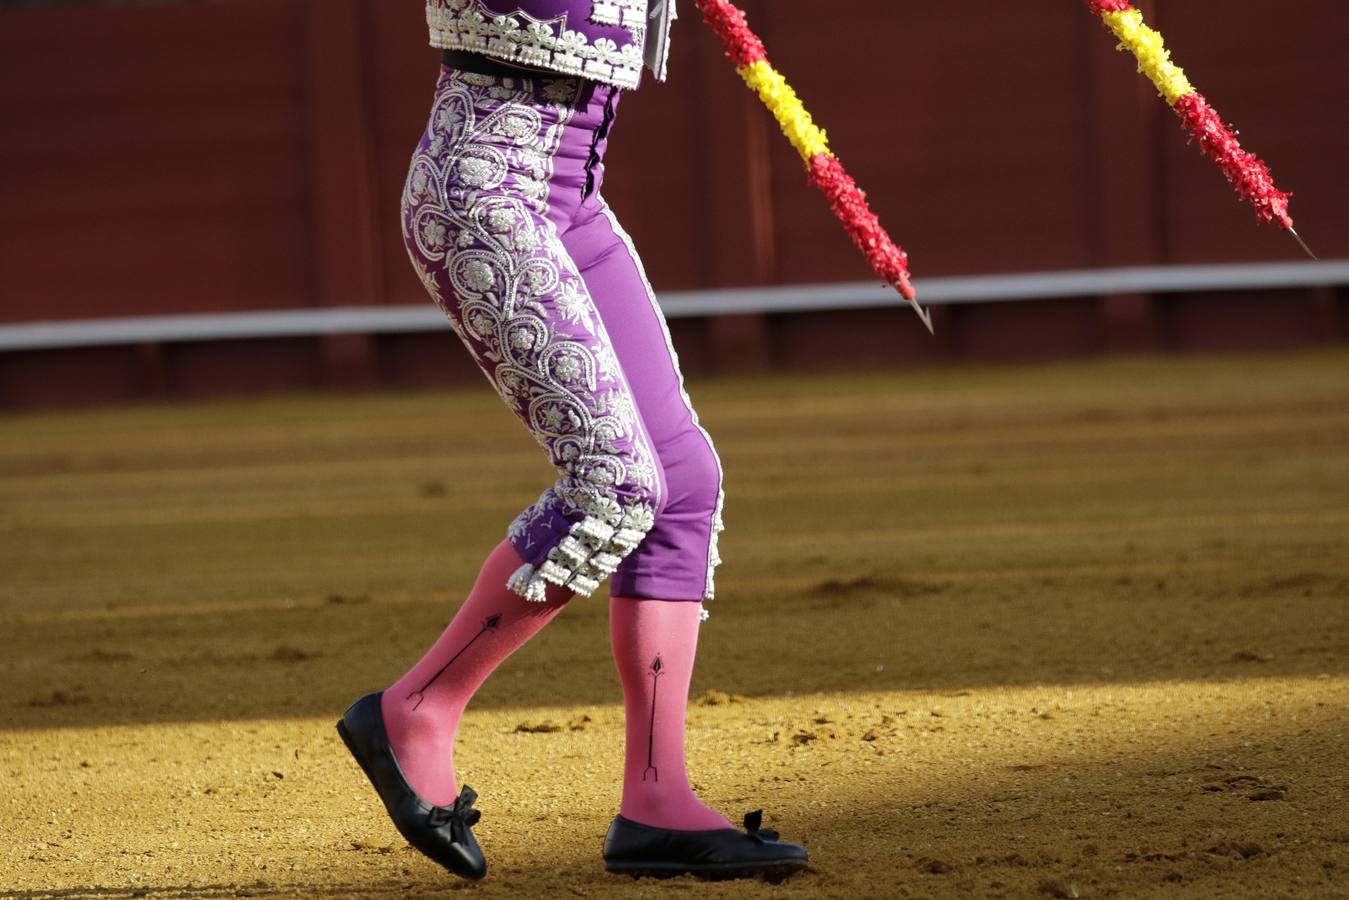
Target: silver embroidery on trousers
{"points": [[475, 223]]}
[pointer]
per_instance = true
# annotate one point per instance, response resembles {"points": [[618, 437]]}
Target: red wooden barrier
{"points": [[249, 154]]}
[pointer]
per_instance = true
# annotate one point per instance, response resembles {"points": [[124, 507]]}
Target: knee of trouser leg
{"points": [[693, 481]]}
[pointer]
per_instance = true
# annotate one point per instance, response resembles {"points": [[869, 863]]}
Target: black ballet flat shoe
{"points": [[631, 848], [441, 832]]}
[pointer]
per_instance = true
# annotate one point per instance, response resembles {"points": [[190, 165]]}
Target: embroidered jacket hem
{"points": [[606, 41]]}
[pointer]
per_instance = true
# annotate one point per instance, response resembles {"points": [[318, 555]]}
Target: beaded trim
{"points": [[631, 14], [590, 553], [520, 38]]}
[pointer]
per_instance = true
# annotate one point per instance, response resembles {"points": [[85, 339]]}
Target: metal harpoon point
{"points": [[924, 314], [1301, 243]]}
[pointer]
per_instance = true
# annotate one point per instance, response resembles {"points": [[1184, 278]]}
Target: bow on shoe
{"points": [[752, 822], [460, 815]]}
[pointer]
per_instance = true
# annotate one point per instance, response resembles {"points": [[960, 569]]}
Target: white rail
{"points": [[679, 304]]}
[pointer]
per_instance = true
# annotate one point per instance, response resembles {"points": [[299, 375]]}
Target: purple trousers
{"points": [[505, 225]]}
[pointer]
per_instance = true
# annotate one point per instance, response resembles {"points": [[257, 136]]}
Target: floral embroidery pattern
{"points": [[520, 38], [475, 224]]}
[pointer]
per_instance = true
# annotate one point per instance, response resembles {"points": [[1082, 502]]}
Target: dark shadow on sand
{"points": [[877, 631]]}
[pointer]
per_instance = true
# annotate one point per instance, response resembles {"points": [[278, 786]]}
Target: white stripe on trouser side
{"points": [[713, 557]]}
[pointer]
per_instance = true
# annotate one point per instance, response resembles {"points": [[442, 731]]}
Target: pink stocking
{"points": [[654, 642], [422, 709]]}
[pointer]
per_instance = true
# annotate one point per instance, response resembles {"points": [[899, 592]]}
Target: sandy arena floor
{"points": [[1072, 630]]}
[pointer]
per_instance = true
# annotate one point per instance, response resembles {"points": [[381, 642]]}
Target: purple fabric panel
{"points": [[672, 563]]}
